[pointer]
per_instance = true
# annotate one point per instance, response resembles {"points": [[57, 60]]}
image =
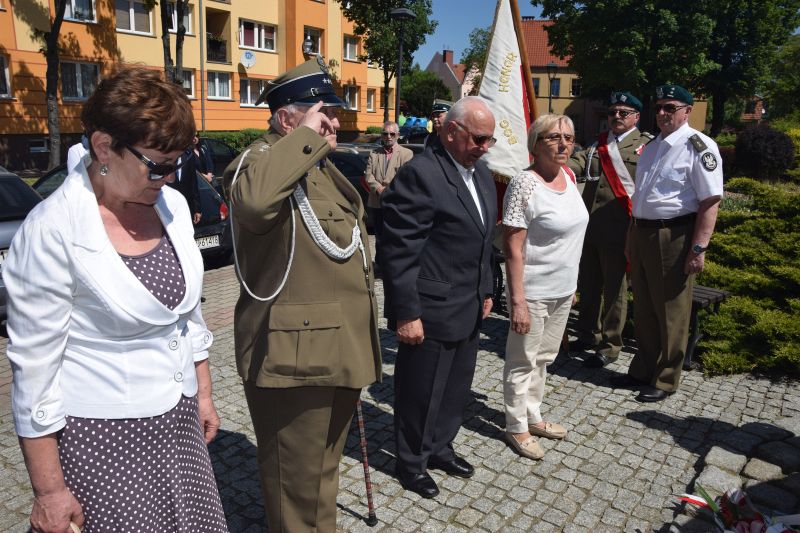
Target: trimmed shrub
{"points": [[238, 140], [764, 153], [371, 130]]}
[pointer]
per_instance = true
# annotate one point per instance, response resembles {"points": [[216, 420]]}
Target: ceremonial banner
{"points": [[507, 87]]}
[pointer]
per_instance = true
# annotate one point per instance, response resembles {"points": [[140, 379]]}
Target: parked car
{"points": [[16, 201], [352, 162], [212, 233], [412, 134], [221, 154]]}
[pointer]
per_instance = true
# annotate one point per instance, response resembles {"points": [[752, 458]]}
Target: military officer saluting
{"points": [[678, 190], [305, 325], [609, 169]]}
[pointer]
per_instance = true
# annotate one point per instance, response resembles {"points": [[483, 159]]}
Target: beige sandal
{"points": [[549, 431], [529, 448]]}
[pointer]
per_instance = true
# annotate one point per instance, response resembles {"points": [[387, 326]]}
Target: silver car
{"points": [[16, 201]]}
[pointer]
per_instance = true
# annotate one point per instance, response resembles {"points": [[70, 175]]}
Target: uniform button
{"points": [[173, 344], [330, 213], [206, 338], [40, 414], [178, 376], [307, 149], [305, 322]]}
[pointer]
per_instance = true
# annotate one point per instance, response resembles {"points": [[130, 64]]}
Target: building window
{"points": [[173, 18], [351, 97], [350, 48], [132, 15], [187, 80], [5, 79], [575, 88], [78, 80], [555, 87], [371, 99], [255, 35], [219, 85], [80, 10], [38, 146], [316, 39], [250, 90], [536, 86]]}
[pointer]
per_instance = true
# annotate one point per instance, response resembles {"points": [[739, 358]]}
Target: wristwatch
{"points": [[698, 249]]}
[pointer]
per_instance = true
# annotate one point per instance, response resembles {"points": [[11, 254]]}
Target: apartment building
{"points": [[231, 48]]}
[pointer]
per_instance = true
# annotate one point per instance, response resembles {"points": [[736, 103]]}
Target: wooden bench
{"points": [[702, 298]]}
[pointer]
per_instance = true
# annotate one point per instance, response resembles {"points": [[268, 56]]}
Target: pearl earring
{"points": [[103, 170]]}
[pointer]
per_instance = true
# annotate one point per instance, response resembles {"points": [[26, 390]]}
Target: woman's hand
{"points": [[209, 419], [520, 318], [53, 512]]}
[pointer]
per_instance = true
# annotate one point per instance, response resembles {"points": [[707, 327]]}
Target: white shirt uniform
{"points": [[672, 177]]}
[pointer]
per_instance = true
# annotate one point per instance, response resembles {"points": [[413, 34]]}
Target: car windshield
{"points": [[16, 198]]}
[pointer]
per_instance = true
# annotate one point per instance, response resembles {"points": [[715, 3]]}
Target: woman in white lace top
{"points": [[545, 220]]}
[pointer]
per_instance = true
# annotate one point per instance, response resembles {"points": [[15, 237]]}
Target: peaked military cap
{"points": [[674, 92], [441, 106], [625, 98], [307, 83]]}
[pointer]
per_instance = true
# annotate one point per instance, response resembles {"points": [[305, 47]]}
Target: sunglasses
{"points": [[479, 140], [158, 171], [621, 112], [555, 138], [389, 133], [669, 108]]}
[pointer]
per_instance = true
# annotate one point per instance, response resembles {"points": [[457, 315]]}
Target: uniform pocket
{"points": [[303, 340]]}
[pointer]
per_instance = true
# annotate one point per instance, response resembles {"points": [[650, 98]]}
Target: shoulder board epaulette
{"points": [[698, 143], [648, 135]]}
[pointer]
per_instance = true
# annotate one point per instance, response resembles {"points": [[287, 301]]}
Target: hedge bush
{"points": [[238, 140], [755, 255], [764, 153], [371, 130]]}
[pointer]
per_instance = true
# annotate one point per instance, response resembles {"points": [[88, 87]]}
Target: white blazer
{"points": [[86, 338]]}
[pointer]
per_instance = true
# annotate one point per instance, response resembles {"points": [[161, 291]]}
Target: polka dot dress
{"points": [[146, 474]]}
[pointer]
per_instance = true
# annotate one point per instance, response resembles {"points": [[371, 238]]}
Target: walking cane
{"points": [[371, 519]]}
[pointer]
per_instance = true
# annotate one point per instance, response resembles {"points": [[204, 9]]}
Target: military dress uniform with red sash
{"points": [[609, 169]]}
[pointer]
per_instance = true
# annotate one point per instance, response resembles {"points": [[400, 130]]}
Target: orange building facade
{"points": [[231, 48]]}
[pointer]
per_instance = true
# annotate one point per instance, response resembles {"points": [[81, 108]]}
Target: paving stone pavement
{"points": [[620, 468]]}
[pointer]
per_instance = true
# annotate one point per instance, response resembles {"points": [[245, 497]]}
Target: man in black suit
{"points": [[439, 212], [185, 182]]}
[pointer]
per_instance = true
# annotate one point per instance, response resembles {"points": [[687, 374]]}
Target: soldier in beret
{"points": [[440, 109], [305, 326], [608, 167], [678, 190]]}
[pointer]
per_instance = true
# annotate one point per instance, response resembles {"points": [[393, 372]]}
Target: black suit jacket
{"points": [[187, 185], [436, 254]]}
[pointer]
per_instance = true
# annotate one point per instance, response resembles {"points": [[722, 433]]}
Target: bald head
{"points": [[468, 130]]}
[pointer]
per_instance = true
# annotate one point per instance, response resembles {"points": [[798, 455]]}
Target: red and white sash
{"points": [[619, 179]]}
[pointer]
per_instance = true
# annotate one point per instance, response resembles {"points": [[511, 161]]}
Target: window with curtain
{"points": [[256, 35], [132, 15], [80, 10], [78, 80], [219, 85]]}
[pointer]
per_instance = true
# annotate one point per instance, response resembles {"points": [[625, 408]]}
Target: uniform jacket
{"points": [[608, 218], [87, 338], [380, 173], [436, 254], [322, 328]]}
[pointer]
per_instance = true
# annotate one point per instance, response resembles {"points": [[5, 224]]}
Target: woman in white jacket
{"points": [[112, 392]]}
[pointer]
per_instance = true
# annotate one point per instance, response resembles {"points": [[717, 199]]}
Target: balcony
{"points": [[217, 48]]}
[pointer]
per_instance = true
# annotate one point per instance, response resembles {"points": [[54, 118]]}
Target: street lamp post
{"points": [[552, 68], [401, 14]]}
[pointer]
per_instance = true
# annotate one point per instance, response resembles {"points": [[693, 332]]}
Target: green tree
{"points": [[474, 56], [381, 35], [420, 88], [783, 88]]}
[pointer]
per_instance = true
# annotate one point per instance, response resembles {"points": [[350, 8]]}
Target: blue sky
{"points": [[457, 18]]}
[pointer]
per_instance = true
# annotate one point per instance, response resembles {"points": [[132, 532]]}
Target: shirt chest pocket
{"points": [[671, 181], [331, 219], [303, 340]]}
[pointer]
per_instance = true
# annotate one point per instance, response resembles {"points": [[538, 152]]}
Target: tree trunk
{"points": [[386, 79], [51, 87], [165, 23], [719, 97], [180, 9]]}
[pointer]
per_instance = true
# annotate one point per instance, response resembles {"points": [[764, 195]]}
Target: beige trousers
{"points": [[527, 357]]}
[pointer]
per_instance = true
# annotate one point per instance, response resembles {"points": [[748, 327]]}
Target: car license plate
{"points": [[211, 241]]}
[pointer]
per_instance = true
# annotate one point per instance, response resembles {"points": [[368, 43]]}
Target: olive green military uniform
{"points": [[305, 355], [602, 284]]}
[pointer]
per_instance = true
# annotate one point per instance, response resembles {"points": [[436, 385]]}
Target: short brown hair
{"points": [[135, 105]]}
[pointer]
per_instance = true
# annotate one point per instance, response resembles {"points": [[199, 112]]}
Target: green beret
{"points": [[674, 92], [626, 99], [307, 83], [441, 106]]}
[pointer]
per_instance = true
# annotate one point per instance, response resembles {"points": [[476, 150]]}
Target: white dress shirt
{"points": [[466, 175]]}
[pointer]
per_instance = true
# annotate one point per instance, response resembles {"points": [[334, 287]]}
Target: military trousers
{"points": [[662, 303], [301, 432]]}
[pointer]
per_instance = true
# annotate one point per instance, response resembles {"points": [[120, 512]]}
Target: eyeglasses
{"points": [[555, 138], [621, 112], [158, 171], [389, 133], [669, 108], [479, 140]]}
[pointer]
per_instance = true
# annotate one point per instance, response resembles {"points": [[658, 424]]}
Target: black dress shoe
{"points": [[423, 484], [456, 467], [580, 346], [625, 382], [651, 394], [597, 360]]}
